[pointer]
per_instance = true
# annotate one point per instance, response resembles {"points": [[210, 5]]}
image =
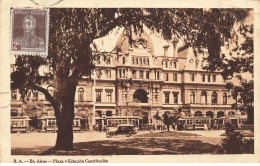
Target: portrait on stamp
{"points": [[29, 31]]}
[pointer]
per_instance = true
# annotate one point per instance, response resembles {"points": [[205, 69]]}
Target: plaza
{"points": [[96, 143]]}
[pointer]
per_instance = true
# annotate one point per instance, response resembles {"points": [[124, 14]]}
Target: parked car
{"points": [[122, 129]]}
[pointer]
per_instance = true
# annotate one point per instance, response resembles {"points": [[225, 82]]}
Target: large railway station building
{"points": [[133, 82]]}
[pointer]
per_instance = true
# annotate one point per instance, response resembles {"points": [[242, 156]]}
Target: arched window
{"points": [[214, 98], [198, 113], [50, 89], [144, 61], [192, 97], [98, 113], [203, 97], [141, 96], [108, 113], [231, 113], [224, 98], [210, 114], [220, 114], [80, 94], [140, 59]]}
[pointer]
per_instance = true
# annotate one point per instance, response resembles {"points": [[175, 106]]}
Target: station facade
{"points": [[133, 82]]}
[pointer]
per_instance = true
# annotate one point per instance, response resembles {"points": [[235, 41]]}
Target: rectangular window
{"points": [[157, 75], [166, 77], [175, 65], [98, 96], [14, 94], [120, 73], [214, 78], [166, 96], [109, 96], [175, 77], [203, 77], [133, 60], [136, 60], [208, 78], [147, 74], [123, 60], [133, 74], [175, 98], [123, 74], [141, 74], [148, 61], [192, 77], [192, 97], [99, 73], [108, 61], [108, 73]]}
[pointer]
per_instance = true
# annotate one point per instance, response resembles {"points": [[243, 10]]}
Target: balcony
{"points": [[208, 105]]}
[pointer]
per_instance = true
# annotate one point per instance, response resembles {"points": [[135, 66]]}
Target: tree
{"points": [[34, 110], [243, 94], [72, 52], [168, 118]]}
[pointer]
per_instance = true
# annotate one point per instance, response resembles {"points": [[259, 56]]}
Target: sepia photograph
{"points": [[135, 81]]}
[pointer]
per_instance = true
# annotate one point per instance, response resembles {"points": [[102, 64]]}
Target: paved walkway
{"points": [[34, 139], [90, 143]]}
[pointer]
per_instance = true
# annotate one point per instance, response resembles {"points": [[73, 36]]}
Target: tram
{"points": [[114, 121], [48, 124], [194, 123], [20, 124]]}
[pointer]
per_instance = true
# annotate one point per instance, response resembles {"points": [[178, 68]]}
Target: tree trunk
{"points": [[65, 96], [250, 115]]}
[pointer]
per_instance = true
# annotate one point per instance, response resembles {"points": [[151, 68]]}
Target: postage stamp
{"points": [[29, 31]]}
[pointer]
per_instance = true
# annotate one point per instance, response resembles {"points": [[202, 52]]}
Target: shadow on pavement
{"points": [[139, 146]]}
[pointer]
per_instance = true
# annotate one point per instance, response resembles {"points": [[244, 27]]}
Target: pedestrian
{"points": [[185, 126], [173, 126], [205, 126]]}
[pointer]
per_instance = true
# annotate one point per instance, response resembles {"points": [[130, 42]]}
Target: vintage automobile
{"points": [[122, 129]]}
